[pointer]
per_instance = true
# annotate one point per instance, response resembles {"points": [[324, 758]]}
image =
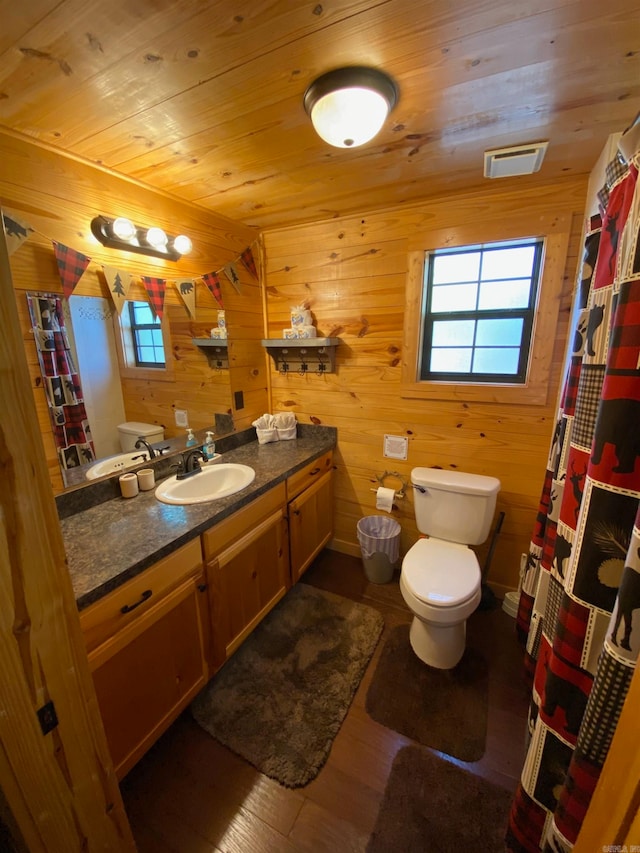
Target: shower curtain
{"points": [[70, 425], [579, 607]]}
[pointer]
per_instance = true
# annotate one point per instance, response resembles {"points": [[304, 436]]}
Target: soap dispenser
{"points": [[191, 439], [209, 447]]}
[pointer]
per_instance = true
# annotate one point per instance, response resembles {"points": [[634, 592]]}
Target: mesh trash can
{"points": [[379, 538]]}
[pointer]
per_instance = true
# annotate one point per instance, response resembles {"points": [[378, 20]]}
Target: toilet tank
{"points": [[130, 431], [454, 506]]}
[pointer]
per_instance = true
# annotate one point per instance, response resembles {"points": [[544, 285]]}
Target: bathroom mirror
{"points": [[92, 328]]}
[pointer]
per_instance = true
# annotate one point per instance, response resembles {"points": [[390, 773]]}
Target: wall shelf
{"points": [[215, 350], [303, 355]]}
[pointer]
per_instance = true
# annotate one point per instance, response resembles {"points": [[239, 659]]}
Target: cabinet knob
{"points": [[202, 587], [254, 574]]}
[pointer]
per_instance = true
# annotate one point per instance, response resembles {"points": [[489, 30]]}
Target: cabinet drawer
{"points": [[104, 618], [303, 478], [233, 528]]}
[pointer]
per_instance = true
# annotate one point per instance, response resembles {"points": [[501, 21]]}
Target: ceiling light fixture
{"points": [[121, 233], [348, 106]]}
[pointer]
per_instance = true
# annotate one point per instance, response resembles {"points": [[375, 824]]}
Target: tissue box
{"points": [[306, 331], [289, 334], [221, 320], [300, 316], [220, 334]]}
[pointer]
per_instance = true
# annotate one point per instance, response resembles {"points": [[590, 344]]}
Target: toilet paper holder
{"points": [[399, 494]]}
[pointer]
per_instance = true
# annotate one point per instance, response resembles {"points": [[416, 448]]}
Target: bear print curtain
{"points": [[61, 381], [580, 602]]}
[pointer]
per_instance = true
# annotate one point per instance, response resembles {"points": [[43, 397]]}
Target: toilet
{"points": [[131, 431], [440, 578]]}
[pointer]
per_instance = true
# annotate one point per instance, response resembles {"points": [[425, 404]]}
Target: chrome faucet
{"points": [[142, 442], [190, 464]]}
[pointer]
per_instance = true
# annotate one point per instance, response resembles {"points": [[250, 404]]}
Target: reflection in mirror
{"points": [[91, 329]]}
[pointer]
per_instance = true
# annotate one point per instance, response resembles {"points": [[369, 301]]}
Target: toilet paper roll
{"points": [[146, 479], [384, 499], [128, 485]]}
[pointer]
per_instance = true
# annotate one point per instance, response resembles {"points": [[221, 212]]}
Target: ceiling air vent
{"points": [[518, 160]]}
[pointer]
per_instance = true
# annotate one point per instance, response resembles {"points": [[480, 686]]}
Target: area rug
{"points": [[443, 709], [280, 700], [430, 804]]}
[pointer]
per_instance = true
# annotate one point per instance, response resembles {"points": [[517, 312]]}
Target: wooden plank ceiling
{"points": [[204, 99]]}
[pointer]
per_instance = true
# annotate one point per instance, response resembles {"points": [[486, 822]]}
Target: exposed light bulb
{"points": [[156, 237], [182, 244], [123, 228]]}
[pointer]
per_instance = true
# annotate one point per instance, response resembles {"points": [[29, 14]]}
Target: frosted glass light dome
{"points": [[349, 106]]}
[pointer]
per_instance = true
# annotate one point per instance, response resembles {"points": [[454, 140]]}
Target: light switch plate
{"points": [[182, 419], [395, 446]]}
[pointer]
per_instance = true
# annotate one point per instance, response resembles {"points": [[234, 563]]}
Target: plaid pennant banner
{"points": [[212, 280], [155, 288], [232, 274], [247, 259], [186, 288], [71, 266], [16, 231], [119, 284]]}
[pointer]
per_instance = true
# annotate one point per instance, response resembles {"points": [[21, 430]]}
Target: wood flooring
{"points": [[189, 794]]}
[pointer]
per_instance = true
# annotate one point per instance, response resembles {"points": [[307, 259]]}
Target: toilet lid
{"points": [[442, 574]]}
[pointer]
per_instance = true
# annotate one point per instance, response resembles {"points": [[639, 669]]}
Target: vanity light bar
{"points": [[121, 233]]}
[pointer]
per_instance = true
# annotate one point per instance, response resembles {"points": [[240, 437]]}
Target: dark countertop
{"points": [[109, 543]]}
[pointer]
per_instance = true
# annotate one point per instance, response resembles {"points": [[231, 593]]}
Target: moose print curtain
{"points": [[63, 390], [580, 603]]}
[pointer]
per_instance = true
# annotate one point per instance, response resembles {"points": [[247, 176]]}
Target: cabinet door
{"points": [[245, 581], [149, 671], [310, 524]]}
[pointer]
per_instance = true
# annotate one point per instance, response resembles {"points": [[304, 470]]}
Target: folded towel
{"points": [[284, 420], [265, 421]]}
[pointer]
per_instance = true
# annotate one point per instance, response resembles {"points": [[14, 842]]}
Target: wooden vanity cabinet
{"points": [[147, 644], [247, 565], [310, 511]]}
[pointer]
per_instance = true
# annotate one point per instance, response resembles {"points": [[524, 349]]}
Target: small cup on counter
{"points": [[128, 485], [146, 479]]}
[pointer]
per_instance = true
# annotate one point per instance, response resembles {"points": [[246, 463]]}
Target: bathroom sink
{"points": [[115, 464], [213, 481]]}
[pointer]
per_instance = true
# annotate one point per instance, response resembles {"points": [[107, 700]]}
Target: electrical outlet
{"points": [[182, 419]]}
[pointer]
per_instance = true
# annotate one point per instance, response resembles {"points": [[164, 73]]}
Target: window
{"points": [[479, 306], [146, 333]]}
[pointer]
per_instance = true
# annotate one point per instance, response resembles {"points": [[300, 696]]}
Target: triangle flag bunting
{"points": [[16, 231], [155, 288], [212, 280], [232, 274], [71, 266], [247, 259], [186, 288], [119, 284]]}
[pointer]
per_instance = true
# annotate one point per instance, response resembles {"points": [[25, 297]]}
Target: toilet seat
{"points": [[441, 574]]}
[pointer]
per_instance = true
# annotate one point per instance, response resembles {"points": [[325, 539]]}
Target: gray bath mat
{"points": [[430, 804], [280, 700], [444, 709]]}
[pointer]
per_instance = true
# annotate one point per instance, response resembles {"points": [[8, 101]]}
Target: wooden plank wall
{"points": [[58, 196], [352, 273]]}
